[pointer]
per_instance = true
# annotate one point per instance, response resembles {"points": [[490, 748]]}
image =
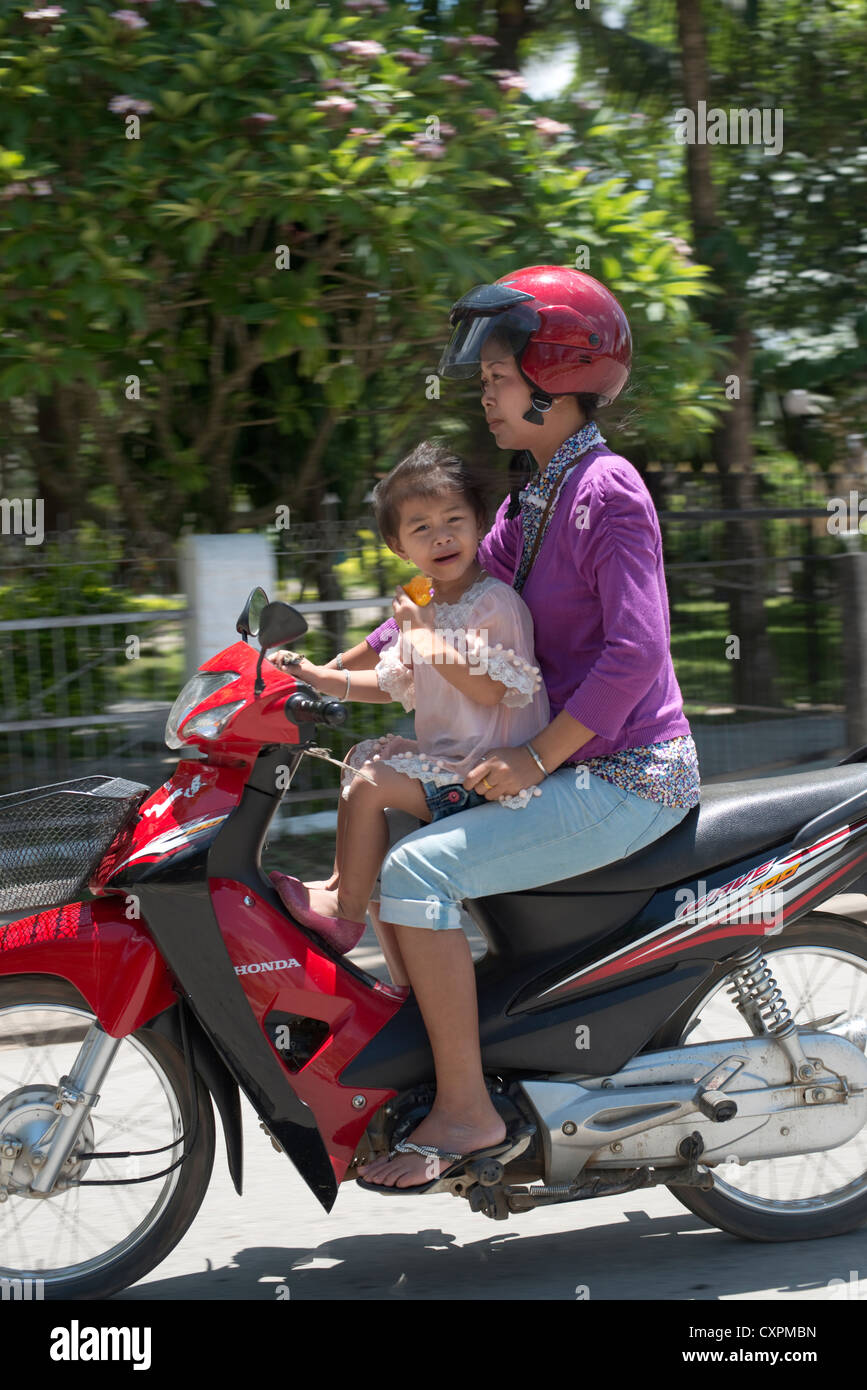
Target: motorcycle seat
{"points": [[734, 821]]}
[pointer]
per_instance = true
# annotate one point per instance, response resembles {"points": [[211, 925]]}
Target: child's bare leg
{"points": [[334, 878], [387, 938], [366, 838]]}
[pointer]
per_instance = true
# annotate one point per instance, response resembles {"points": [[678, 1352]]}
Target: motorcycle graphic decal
{"points": [[722, 919], [170, 841]]}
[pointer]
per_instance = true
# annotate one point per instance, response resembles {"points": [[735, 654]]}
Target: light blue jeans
{"points": [[569, 830]]}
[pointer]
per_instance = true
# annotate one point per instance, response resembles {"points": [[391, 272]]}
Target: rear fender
{"points": [[112, 962]]}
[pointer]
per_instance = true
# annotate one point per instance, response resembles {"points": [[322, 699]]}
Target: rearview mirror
{"points": [[278, 623], [251, 613]]}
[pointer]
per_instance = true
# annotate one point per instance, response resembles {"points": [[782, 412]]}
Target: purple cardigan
{"points": [[599, 602]]}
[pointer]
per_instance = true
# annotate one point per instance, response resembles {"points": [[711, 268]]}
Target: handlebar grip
{"points": [[333, 713], [302, 710]]}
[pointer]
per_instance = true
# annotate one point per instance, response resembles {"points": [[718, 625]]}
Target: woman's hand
{"points": [[405, 611], [294, 665], [506, 771]]}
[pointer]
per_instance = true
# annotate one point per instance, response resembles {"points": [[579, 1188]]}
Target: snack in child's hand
{"points": [[419, 589]]}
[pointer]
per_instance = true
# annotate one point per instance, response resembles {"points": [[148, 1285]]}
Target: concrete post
{"points": [[853, 597], [218, 573]]}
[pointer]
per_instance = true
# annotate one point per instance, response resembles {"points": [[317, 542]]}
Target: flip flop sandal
{"points": [[493, 1151]]}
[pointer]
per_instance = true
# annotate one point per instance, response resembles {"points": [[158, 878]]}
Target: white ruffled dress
{"points": [[492, 624]]}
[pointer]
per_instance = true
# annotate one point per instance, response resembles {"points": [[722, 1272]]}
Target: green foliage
{"points": [[249, 228]]}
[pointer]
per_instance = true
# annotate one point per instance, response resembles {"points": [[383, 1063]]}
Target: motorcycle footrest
{"points": [[716, 1106]]}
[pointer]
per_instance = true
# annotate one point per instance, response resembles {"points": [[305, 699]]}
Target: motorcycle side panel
{"points": [[111, 961], [307, 982]]}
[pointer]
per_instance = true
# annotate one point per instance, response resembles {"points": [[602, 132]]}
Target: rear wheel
{"points": [[820, 964], [91, 1241]]}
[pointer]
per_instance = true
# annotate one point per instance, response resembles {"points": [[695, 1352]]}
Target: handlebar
{"points": [[301, 709]]}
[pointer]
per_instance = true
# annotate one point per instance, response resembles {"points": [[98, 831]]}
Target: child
{"points": [[464, 662]]}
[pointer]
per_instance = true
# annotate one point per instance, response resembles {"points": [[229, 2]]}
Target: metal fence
{"points": [[91, 641]]}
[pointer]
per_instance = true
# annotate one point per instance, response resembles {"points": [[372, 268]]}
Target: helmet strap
{"points": [[541, 403]]}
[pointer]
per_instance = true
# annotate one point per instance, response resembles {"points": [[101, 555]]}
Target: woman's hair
{"points": [[430, 470]]}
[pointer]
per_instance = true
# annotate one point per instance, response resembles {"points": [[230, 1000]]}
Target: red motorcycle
{"points": [[632, 1030]]}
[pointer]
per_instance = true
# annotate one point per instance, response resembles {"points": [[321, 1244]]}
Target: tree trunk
{"points": [[513, 22], [753, 673], [56, 482]]}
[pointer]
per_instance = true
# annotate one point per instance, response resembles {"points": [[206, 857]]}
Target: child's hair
{"points": [[430, 470]]}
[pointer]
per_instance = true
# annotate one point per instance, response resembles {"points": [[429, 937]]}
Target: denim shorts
{"points": [[445, 801], [571, 829]]}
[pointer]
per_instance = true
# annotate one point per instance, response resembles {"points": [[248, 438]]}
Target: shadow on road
{"points": [[642, 1258]]}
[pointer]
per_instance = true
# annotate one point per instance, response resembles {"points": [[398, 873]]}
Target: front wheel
{"points": [[820, 964], [91, 1241]]}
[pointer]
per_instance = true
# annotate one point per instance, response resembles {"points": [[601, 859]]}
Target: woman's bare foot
{"points": [[444, 1131]]}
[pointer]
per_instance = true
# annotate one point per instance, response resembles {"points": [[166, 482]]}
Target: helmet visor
{"points": [[503, 332]]}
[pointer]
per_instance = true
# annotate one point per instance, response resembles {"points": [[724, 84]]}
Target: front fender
{"points": [[111, 961]]}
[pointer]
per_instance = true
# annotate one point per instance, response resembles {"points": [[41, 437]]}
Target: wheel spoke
{"points": [[89, 1226], [815, 981]]}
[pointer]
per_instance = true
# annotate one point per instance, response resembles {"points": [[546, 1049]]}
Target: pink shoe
{"points": [[339, 932]]}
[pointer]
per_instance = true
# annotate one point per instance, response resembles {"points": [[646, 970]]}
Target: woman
{"points": [[616, 766]]}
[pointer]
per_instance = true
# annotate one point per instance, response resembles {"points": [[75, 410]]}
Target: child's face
{"points": [[440, 535]]}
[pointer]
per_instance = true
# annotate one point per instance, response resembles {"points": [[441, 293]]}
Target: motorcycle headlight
{"points": [[202, 684], [213, 721]]}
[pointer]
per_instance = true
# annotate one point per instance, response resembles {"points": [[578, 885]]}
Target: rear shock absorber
{"points": [[759, 998]]}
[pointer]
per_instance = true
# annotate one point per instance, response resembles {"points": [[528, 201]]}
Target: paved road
{"points": [[276, 1242]]}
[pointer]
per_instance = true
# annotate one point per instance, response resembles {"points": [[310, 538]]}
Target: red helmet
{"points": [[566, 330]]}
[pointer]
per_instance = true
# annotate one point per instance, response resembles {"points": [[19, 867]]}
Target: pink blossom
{"points": [[129, 19], [453, 42], [335, 105], [122, 105], [511, 82], [374, 138], [359, 130], [359, 48], [257, 120], [681, 247], [482, 41], [334, 84], [486, 113], [14, 190], [420, 144], [546, 126], [446, 129], [365, 5], [49, 12], [42, 188], [453, 81], [411, 58]]}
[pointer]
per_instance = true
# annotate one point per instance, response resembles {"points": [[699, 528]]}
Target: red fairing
{"points": [[189, 806], [315, 986], [262, 719], [110, 960]]}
